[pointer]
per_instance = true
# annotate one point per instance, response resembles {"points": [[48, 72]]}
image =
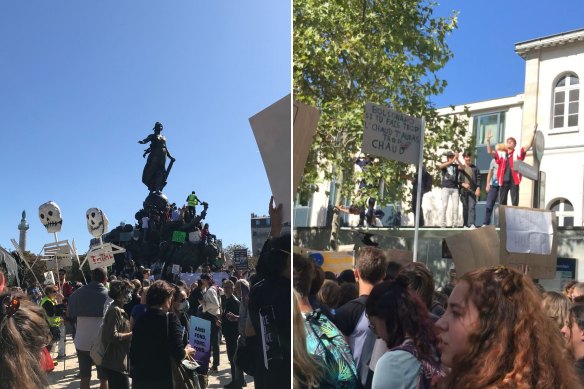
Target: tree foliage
{"points": [[350, 52]]}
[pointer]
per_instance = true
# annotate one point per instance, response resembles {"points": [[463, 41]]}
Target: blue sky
{"points": [[485, 65], [83, 81]]}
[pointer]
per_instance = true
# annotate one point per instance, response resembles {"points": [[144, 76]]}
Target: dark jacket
{"points": [[474, 178], [153, 344], [230, 328]]}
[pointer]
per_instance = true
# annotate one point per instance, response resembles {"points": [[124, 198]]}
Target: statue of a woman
{"points": [[155, 173]]}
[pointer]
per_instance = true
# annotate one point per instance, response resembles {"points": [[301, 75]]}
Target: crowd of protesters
{"points": [[142, 325], [383, 325]]}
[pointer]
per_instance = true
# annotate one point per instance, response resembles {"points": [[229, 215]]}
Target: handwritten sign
{"points": [[391, 134], [240, 259], [100, 257], [529, 241], [175, 269], [200, 339]]}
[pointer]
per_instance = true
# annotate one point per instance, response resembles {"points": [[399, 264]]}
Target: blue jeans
{"points": [[492, 197]]}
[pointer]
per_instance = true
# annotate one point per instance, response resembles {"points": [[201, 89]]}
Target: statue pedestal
{"points": [[156, 201]]}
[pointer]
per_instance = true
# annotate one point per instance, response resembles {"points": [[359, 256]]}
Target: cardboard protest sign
{"points": [[305, 121], [100, 256], [271, 128], [200, 340], [391, 134], [240, 260], [474, 249], [179, 236], [403, 257], [529, 240], [333, 261]]}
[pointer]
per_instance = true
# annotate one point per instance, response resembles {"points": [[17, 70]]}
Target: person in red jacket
{"points": [[508, 178]]}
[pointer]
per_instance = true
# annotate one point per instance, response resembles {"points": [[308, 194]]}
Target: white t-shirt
{"points": [[211, 302], [87, 329]]}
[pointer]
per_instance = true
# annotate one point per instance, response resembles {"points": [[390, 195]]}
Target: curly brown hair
{"points": [[515, 344]]}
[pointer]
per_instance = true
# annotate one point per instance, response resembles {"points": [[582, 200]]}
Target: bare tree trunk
{"points": [[336, 222]]}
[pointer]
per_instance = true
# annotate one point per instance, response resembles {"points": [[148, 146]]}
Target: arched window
{"points": [[566, 101], [564, 212]]}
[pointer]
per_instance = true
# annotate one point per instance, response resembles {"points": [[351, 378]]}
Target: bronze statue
{"points": [[155, 172]]}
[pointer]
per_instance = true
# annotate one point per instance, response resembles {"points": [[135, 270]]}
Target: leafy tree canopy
{"points": [[347, 53]]}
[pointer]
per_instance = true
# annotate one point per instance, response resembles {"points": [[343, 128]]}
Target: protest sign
{"points": [[200, 340], [333, 261], [271, 128], [529, 240], [175, 269], [391, 134], [305, 121], [179, 236], [190, 278], [474, 249], [240, 260], [100, 256]]}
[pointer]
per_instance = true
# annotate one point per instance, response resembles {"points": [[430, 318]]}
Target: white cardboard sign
{"points": [[391, 134], [272, 131], [100, 257]]}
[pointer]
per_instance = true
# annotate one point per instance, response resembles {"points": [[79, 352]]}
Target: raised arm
{"points": [[529, 143], [488, 142]]}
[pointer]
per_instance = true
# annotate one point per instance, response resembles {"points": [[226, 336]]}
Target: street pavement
{"points": [[63, 377]]}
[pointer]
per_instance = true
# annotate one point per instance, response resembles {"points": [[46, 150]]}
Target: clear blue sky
{"points": [[82, 81], [485, 65]]}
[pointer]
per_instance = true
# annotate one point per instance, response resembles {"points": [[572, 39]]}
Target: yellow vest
{"points": [[54, 321], [192, 200]]}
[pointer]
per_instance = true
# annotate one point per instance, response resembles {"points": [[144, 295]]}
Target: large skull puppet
{"points": [[50, 215], [97, 223]]}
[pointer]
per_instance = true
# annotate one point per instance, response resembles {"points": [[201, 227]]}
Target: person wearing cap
{"points": [[449, 184]]}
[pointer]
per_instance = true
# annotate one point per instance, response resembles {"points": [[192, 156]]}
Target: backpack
{"points": [[332, 349], [430, 370]]}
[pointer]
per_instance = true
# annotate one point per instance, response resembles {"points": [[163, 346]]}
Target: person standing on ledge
{"points": [[154, 175], [508, 178]]}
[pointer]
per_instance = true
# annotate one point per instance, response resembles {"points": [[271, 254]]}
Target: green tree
{"points": [[347, 53]]}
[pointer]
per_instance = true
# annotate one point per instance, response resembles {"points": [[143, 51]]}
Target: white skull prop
{"points": [[50, 215], [97, 223]]}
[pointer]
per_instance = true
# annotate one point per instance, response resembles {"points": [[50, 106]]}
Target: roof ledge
{"points": [[523, 48]]}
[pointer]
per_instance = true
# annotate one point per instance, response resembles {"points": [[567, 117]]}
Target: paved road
{"points": [[63, 377]]}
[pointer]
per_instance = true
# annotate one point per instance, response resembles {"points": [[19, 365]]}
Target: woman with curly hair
{"points": [[495, 334], [400, 318]]}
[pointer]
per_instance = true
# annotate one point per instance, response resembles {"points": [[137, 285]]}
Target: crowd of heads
{"points": [[488, 328]]}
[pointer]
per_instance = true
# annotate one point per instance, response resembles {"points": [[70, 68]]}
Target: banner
{"points": [[391, 134], [200, 340], [190, 278]]}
